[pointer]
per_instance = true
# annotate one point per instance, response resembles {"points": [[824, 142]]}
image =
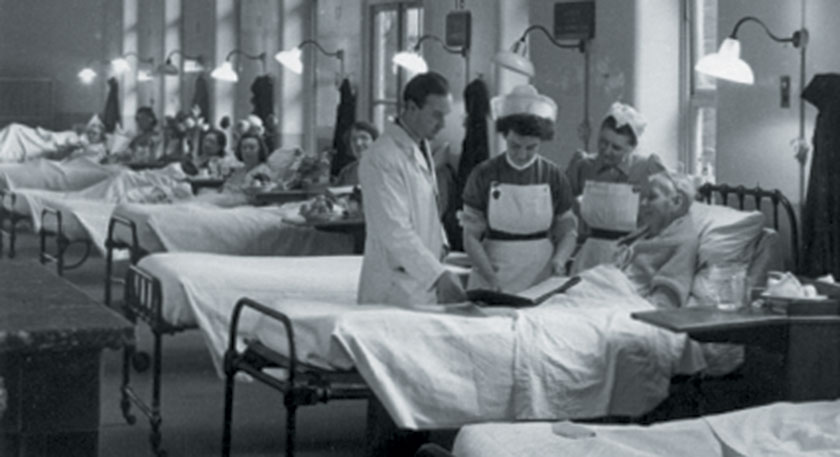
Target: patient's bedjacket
{"points": [[820, 238]]}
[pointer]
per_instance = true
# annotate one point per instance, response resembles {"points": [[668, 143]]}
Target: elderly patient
{"points": [[659, 257]]}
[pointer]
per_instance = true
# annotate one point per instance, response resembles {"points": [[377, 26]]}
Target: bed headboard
{"points": [[27, 100], [721, 193]]}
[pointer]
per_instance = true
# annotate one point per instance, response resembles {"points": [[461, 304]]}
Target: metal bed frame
{"points": [[307, 385], [136, 252], [62, 243]]}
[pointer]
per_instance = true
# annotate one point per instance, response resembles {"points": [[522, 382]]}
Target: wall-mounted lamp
{"points": [[192, 64], [87, 74], [120, 64], [516, 59], [727, 64], [226, 72], [291, 58], [415, 63]]}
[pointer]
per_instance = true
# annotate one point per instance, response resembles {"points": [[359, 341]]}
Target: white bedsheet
{"points": [[68, 175], [781, 429], [202, 289], [19, 142]]}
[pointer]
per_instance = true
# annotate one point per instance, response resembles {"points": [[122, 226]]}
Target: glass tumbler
{"points": [[729, 284]]}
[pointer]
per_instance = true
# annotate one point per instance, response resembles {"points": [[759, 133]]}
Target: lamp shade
{"points": [[167, 68], [120, 65], [225, 72], [87, 75], [144, 75], [515, 62], [411, 61], [290, 59], [727, 63]]}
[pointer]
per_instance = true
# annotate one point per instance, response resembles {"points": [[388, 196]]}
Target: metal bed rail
{"points": [[303, 385], [111, 243], [143, 301], [9, 217], [62, 243], [742, 194]]}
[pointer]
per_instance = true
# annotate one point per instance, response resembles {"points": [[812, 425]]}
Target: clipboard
{"points": [[527, 298]]}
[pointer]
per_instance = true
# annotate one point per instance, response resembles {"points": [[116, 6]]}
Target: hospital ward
{"points": [[419, 228]]}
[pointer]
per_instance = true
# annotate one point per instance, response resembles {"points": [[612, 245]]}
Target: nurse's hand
{"points": [[450, 289], [559, 266]]}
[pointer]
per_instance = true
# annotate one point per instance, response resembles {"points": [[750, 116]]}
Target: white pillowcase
{"points": [[725, 233]]}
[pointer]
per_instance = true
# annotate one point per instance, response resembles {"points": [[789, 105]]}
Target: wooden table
{"points": [[810, 344], [353, 227], [51, 340]]}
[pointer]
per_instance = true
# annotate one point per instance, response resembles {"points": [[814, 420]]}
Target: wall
{"points": [[55, 39]]}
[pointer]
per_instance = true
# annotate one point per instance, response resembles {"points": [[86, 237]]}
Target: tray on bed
{"points": [[283, 196]]}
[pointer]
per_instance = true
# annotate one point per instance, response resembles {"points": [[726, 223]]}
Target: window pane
{"points": [[705, 37], [385, 41], [705, 141]]}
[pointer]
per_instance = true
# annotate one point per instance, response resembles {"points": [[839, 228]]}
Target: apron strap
{"points": [[507, 236]]}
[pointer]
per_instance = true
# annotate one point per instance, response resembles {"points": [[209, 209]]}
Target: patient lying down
{"points": [[659, 257]]}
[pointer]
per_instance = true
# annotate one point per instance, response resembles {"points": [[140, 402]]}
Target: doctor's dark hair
{"points": [[262, 146], [221, 139], [423, 85], [624, 130], [526, 125]]}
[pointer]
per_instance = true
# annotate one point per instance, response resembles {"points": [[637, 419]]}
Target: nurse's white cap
{"points": [[627, 115], [524, 99], [95, 121]]}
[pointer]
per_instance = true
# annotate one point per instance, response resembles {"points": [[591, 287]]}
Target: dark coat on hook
{"points": [[111, 113], [345, 116], [474, 150], [821, 215], [262, 99], [201, 98]]}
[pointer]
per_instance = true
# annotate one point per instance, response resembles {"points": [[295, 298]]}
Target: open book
{"points": [[533, 296]]}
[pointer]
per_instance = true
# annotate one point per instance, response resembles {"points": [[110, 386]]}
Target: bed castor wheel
{"points": [[140, 361]]}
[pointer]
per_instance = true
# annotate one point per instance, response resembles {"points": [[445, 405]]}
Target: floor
{"points": [[193, 397]]}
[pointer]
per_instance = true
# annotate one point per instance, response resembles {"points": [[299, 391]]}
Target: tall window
{"points": [[702, 39], [396, 26]]}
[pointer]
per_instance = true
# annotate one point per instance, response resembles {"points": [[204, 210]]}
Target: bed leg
{"points": [[109, 269], [155, 418], [59, 263], [12, 236], [291, 428], [125, 401], [227, 425]]}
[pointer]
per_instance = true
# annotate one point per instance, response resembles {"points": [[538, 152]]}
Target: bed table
{"points": [[51, 340], [810, 344]]}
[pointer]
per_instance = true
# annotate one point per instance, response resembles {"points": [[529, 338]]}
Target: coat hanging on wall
{"points": [[201, 97], [111, 113], [345, 116], [821, 215], [262, 99], [474, 150]]}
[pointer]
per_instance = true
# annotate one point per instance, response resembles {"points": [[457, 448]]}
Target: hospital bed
{"points": [[296, 342], [777, 429]]}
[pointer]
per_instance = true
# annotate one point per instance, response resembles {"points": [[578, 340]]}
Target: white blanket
{"points": [[20, 142], [781, 429], [66, 175]]}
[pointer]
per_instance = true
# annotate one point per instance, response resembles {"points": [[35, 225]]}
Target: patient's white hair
{"points": [[681, 184]]}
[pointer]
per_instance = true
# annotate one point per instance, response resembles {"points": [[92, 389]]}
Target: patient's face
{"points": [[95, 133], [210, 146], [250, 149], [145, 123], [360, 140], [659, 205], [613, 146]]}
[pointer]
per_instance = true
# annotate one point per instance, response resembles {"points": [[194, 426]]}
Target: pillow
{"points": [[725, 233], [117, 142]]}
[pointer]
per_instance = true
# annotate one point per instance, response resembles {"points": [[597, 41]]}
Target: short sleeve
{"points": [[476, 189], [561, 192]]}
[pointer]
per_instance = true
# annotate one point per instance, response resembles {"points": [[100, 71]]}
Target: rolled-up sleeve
{"points": [[387, 210]]}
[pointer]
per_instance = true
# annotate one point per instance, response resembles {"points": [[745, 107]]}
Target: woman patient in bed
{"points": [[660, 256]]}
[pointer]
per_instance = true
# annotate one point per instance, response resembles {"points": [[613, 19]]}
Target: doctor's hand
{"points": [[450, 289]]}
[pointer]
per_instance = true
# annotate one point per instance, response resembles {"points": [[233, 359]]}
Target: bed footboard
{"points": [[303, 384], [62, 242], [111, 243], [9, 220]]}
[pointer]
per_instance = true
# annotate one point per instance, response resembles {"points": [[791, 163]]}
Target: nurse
{"points": [[607, 185], [519, 227]]}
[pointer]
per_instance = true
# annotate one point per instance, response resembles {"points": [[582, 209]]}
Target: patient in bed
{"points": [[659, 258], [20, 142]]}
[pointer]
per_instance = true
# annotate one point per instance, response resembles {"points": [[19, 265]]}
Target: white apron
{"points": [[610, 207], [517, 210]]}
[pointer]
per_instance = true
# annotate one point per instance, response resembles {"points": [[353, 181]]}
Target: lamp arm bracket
{"points": [[581, 45], [339, 54], [172, 54], [260, 56], [462, 50], [799, 37]]}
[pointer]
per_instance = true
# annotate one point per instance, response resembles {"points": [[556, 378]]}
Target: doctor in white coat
{"points": [[405, 240]]}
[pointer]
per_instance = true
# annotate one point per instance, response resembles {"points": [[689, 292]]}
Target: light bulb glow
{"points": [[87, 75], [120, 65]]}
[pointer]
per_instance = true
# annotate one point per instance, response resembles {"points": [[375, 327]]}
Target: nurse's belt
{"points": [[610, 206]]}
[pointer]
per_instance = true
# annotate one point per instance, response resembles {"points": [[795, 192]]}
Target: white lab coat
{"points": [[405, 239]]}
